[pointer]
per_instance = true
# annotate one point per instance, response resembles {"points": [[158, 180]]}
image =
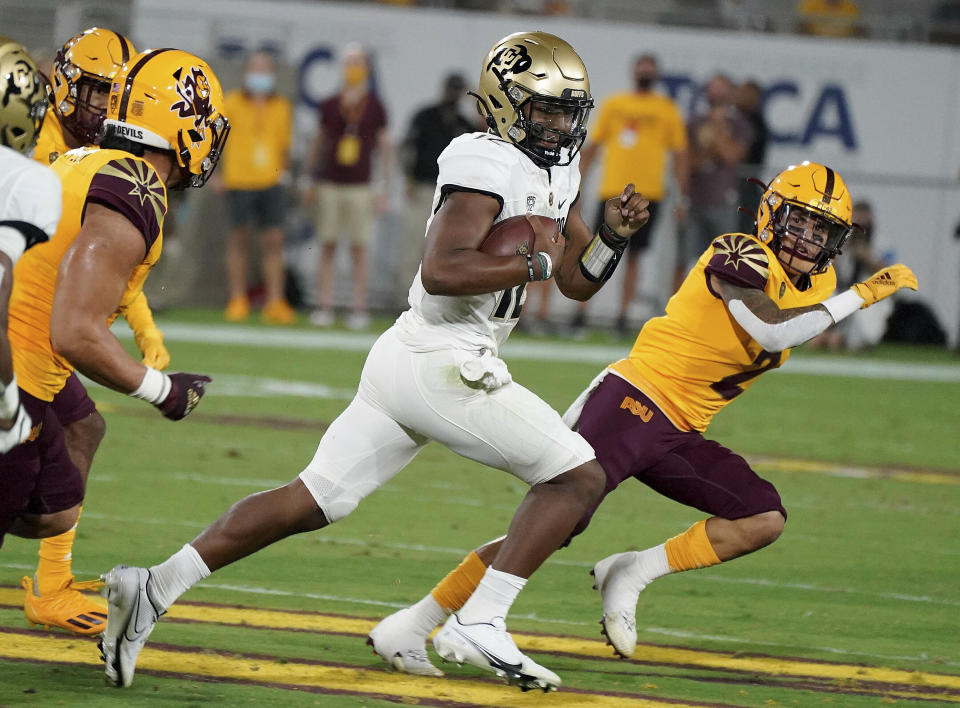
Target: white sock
{"points": [[427, 614], [652, 564], [492, 598], [170, 579]]}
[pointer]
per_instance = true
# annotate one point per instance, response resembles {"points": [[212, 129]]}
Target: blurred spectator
{"points": [[638, 131], [748, 15], [748, 98], [253, 173], [856, 263], [719, 141], [353, 125], [431, 130], [829, 18], [944, 23]]}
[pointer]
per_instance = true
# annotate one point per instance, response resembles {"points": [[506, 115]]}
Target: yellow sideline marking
{"points": [[839, 469], [316, 622], [364, 681]]}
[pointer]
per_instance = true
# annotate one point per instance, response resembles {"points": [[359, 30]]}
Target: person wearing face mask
{"points": [[254, 171], [431, 130], [637, 132], [720, 138], [352, 128]]}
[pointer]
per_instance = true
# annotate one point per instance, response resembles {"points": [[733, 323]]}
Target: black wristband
{"points": [[530, 274], [612, 238]]}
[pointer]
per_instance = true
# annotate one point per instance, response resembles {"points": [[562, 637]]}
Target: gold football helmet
{"points": [[82, 70], [535, 73], [167, 99], [23, 97], [819, 194]]}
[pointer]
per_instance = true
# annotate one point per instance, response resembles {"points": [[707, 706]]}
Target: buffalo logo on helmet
{"points": [[194, 92], [514, 59]]}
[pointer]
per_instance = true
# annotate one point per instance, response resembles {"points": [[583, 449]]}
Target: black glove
{"points": [[186, 390]]}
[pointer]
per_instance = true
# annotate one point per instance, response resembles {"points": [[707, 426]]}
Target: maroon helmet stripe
{"points": [[828, 189], [128, 87]]}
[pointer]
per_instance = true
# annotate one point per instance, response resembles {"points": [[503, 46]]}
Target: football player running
{"points": [[29, 212], [82, 72], [163, 130], [436, 373], [748, 300]]}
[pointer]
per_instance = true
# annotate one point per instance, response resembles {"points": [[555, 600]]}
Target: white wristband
{"points": [[546, 265], [154, 387], [10, 400], [843, 305]]}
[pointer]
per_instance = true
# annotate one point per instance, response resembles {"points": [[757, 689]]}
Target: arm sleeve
{"points": [[131, 187], [783, 335]]}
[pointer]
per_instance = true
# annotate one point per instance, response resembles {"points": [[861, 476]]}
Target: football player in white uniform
{"points": [[436, 374], [29, 207]]}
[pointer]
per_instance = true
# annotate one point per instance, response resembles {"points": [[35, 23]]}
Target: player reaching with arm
{"points": [[748, 300], [82, 74], [163, 130], [436, 374]]}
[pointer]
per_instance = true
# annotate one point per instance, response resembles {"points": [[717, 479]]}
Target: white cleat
{"points": [[620, 592], [131, 616], [398, 642], [489, 646]]}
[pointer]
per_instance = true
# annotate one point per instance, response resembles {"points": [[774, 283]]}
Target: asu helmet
{"points": [[82, 70], [528, 69], [809, 194], [167, 99], [23, 97]]}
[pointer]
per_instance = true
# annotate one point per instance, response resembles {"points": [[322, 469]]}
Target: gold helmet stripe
{"points": [[128, 86]]}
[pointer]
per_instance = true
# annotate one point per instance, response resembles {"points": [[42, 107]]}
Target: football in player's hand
{"points": [[515, 235]]}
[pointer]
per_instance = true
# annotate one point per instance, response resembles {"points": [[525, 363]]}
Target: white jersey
{"points": [[485, 163], [30, 199]]}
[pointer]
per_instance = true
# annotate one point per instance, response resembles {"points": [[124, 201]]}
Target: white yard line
{"points": [[539, 351], [460, 552]]}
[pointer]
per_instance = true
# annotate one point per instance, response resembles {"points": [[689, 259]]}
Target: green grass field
{"points": [[855, 605]]}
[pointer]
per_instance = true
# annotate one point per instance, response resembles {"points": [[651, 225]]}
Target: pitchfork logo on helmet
{"points": [[23, 99], [168, 99], [194, 90], [536, 74], [810, 204]]}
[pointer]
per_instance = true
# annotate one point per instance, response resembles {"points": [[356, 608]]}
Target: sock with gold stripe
{"points": [[455, 589], [691, 549], [55, 566]]}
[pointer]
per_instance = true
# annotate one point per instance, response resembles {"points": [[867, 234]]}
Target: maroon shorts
{"points": [[633, 438], [37, 476], [72, 403]]}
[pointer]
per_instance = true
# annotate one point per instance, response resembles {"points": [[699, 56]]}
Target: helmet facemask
{"points": [[559, 135], [801, 233], [83, 112]]}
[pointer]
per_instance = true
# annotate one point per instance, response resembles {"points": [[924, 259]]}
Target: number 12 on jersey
{"points": [[509, 303]]}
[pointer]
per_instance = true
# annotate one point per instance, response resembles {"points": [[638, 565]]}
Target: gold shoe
{"points": [[68, 608], [238, 310], [278, 312]]}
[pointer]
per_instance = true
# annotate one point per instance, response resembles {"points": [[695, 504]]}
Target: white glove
{"points": [[18, 432]]}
